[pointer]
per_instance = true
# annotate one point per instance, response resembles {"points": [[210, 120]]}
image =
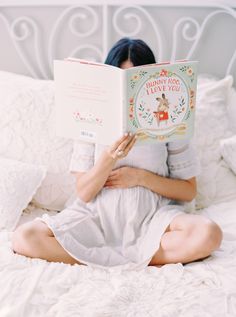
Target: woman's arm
{"points": [[91, 182], [176, 189]]}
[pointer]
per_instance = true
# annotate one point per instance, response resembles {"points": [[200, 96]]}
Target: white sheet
{"points": [[34, 287]]}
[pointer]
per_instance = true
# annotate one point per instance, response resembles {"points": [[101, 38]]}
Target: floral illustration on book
{"points": [[161, 105], [87, 117], [189, 71], [134, 79]]}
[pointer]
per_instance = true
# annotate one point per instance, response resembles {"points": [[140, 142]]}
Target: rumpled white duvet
{"points": [[34, 287]]}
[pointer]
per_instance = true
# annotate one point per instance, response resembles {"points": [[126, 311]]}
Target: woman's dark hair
{"points": [[137, 51]]}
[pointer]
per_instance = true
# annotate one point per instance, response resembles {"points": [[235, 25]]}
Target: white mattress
{"points": [[34, 287]]}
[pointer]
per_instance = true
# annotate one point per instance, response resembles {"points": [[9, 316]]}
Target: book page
{"points": [[160, 101], [88, 102]]}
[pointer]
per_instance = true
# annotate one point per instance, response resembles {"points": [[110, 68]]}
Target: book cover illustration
{"points": [[161, 102]]}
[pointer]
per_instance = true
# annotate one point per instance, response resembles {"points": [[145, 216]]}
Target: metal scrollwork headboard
{"points": [[33, 35]]}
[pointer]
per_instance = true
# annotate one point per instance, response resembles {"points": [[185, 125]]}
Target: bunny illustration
{"points": [[162, 110]]}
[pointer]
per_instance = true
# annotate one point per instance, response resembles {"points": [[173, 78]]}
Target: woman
{"points": [[128, 208]]}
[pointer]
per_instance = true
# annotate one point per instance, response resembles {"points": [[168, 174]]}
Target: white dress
{"points": [[122, 228]]}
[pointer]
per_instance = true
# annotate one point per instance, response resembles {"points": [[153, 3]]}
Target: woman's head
{"points": [[130, 52]]}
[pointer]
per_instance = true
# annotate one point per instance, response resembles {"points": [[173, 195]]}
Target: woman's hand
{"points": [[122, 146], [92, 181], [122, 177]]}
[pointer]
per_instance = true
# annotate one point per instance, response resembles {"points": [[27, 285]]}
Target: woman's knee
{"points": [[208, 236], [27, 239], [213, 235]]}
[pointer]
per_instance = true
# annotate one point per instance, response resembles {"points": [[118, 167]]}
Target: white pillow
{"points": [[18, 183], [27, 134], [228, 151], [231, 110], [216, 182]]}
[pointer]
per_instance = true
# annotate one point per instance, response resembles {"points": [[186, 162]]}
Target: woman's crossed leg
{"points": [[188, 238], [34, 239]]}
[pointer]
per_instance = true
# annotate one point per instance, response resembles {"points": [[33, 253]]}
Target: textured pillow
{"points": [[231, 110], [216, 182], [228, 151], [18, 183], [27, 134]]}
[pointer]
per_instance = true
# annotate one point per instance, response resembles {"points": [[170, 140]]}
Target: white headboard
{"points": [[34, 33]]}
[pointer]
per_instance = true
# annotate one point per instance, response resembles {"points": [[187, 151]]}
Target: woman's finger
{"points": [[130, 145], [112, 177], [116, 144], [111, 184], [117, 150], [121, 150], [123, 145], [107, 184], [113, 172]]}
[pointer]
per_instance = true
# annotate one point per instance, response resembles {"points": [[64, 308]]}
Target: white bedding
{"points": [[34, 287]]}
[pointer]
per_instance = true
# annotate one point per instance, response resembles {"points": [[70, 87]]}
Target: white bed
{"points": [[34, 287]]}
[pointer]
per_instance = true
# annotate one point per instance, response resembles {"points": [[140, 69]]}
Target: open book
{"points": [[98, 103]]}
